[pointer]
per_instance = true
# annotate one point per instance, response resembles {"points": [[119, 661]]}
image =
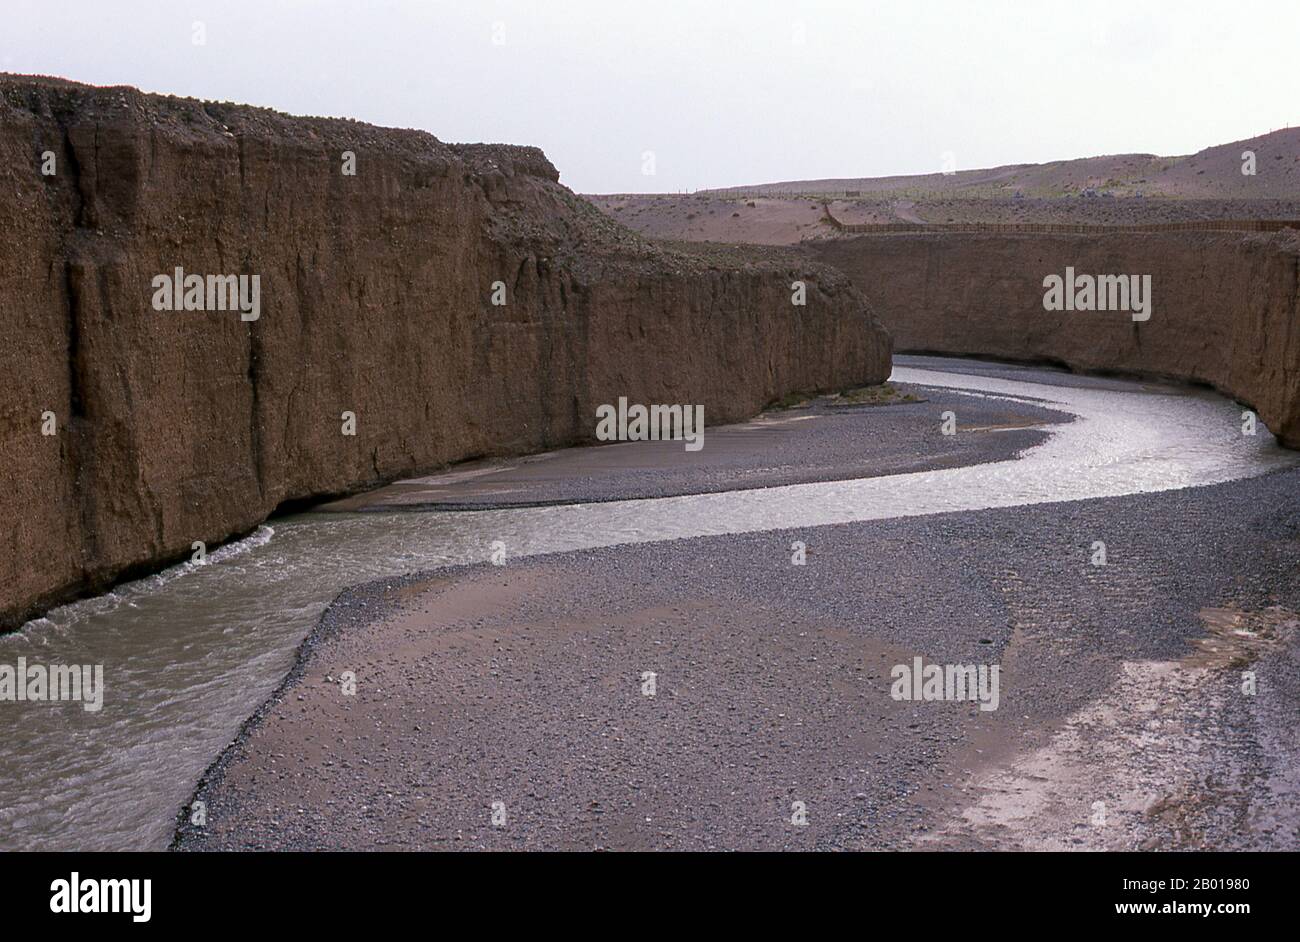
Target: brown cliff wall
{"points": [[182, 426], [1224, 305]]}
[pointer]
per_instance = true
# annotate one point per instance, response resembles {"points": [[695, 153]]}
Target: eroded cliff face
{"points": [[376, 300], [1224, 305]]}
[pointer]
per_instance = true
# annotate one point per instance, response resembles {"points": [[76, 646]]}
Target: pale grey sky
{"points": [[723, 92]]}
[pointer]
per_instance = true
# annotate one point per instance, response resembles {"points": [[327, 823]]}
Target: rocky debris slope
{"points": [[376, 300], [1224, 305]]}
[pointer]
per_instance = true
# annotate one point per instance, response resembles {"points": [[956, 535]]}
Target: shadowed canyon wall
{"points": [[376, 299], [1224, 305]]}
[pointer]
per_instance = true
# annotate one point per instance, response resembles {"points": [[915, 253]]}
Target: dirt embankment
{"points": [[376, 299], [1224, 305]]}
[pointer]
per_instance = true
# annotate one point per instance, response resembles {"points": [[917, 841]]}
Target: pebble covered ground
{"points": [[508, 708]]}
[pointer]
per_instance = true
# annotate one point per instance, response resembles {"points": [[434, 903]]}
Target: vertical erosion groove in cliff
{"points": [[376, 300], [1224, 305]]}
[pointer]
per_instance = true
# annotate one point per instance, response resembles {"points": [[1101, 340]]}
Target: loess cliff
{"points": [[1224, 305], [376, 299]]}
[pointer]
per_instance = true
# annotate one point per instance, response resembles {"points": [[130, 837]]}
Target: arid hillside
{"points": [[1125, 189], [1213, 173]]}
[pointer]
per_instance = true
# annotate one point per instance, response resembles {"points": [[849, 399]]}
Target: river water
{"points": [[188, 654]]}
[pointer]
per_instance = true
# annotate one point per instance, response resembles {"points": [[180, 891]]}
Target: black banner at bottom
{"points": [[334, 891]]}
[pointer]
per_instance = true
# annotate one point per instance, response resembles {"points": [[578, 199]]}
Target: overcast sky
{"points": [[721, 92]]}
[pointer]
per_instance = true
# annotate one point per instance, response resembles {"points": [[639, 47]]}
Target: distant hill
{"points": [[1122, 189], [1213, 173]]}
